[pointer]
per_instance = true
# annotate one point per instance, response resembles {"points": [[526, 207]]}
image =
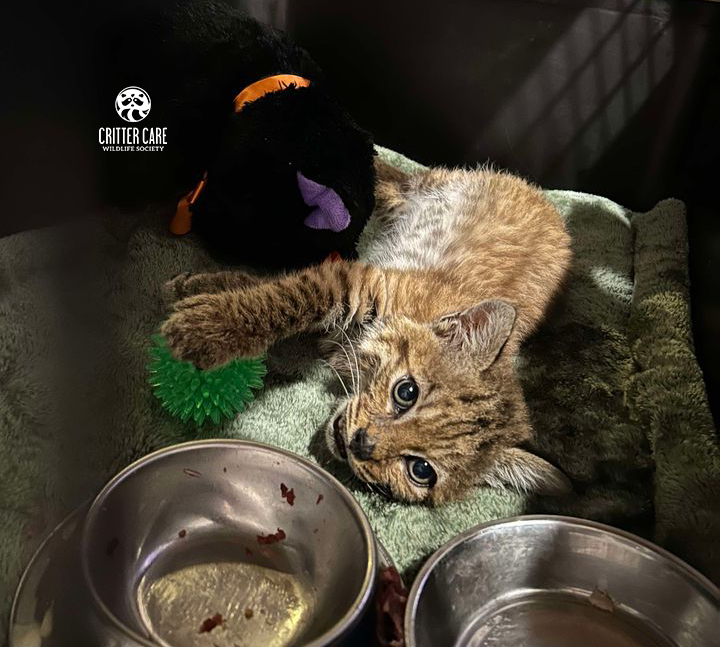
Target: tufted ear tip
{"points": [[526, 472]]}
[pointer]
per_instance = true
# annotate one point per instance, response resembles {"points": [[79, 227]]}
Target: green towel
{"points": [[614, 389]]}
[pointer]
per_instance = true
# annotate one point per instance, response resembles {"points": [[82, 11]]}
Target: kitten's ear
{"points": [[481, 330], [525, 472]]}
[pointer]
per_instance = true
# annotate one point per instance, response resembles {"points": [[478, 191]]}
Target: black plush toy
{"points": [[275, 170]]}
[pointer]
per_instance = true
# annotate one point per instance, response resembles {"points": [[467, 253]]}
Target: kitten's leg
{"points": [[187, 284], [211, 329]]}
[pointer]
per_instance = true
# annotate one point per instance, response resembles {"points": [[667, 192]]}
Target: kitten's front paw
{"points": [[200, 331], [209, 330]]}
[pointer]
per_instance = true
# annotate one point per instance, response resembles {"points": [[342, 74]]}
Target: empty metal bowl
{"points": [[555, 581], [227, 543]]}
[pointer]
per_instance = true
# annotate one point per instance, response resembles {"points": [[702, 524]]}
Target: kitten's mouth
{"points": [[339, 434]]}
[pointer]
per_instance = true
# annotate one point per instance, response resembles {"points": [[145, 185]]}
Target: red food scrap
{"points": [[320, 498], [248, 551], [112, 546], [210, 623], [288, 495], [190, 472], [182, 533], [390, 601], [272, 539]]}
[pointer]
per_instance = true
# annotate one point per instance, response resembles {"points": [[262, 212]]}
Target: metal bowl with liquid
{"points": [[543, 581], [227, 543]]}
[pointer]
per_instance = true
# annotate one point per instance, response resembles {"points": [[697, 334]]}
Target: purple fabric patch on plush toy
{"points": [[329, 212]]}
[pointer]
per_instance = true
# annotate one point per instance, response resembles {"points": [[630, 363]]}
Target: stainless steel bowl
{"points": [[203, 528], [555, 581]]}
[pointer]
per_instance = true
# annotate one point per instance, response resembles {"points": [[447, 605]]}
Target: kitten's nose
{"points": [[361, 445]]}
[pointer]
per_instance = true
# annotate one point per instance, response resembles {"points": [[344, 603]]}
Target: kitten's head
{"points": [[439, 409]]}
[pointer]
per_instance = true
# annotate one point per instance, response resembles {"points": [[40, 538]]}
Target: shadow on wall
{"points": [[584, 97]]}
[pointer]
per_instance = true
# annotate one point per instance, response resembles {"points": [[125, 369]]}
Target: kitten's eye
{"points": [[420, 471], [405, 392]]}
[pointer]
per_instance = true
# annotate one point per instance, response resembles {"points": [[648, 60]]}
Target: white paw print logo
{"points": [[133, 104]]}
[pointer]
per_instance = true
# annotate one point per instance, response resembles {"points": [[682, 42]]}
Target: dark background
{"points": [[614, 97]]}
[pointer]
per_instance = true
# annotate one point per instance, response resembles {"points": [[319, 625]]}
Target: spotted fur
{"points": [[463, 268]]}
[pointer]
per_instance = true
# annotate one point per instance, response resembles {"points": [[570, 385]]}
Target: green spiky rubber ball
{"points": [[192, 394]]}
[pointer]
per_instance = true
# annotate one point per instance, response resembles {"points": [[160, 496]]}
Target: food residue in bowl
{"points": [[182, 533], [191, 472], [601, 600], [320, 498], [287, 494], [249, 613], [273, 538], [210, 623]]}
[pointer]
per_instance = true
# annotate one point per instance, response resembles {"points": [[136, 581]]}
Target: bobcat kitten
{"points": [[462, 270]]}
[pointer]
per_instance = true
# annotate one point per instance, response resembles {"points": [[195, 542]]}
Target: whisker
{"points": [[352, 348], [334, 370], [381, 490], [347, 357], [357, 365], [361, 474]]}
